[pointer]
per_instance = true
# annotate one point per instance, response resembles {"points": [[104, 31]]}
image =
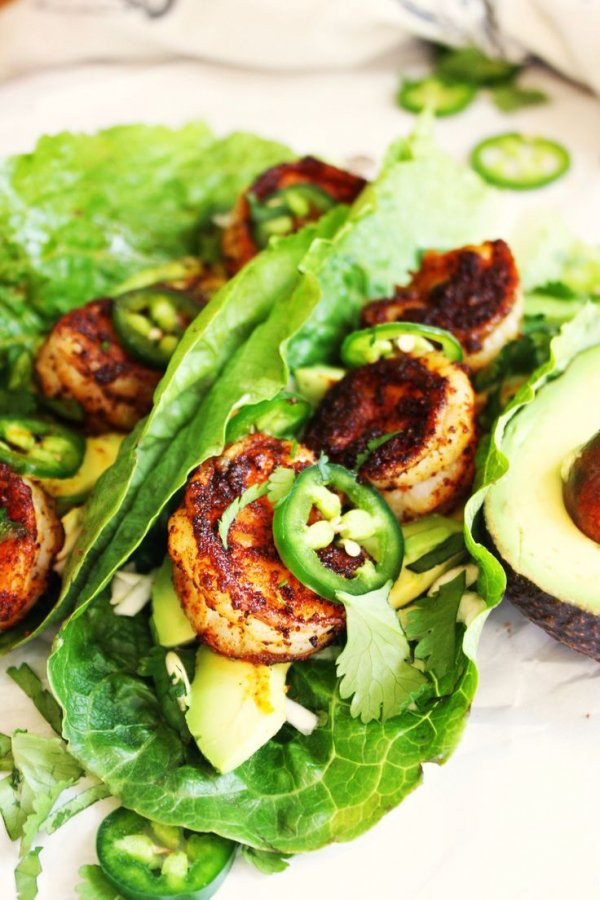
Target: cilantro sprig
{"points": [[431, 622], [38, 771], [374, 665], [276, 489], [372, 445], [470, 70], [8, 528]]}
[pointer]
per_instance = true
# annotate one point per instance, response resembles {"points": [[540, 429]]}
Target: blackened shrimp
{"points": [[30, 536], [269, 201], [83, 360], [472, 292], [242, 600], [425, 405]]}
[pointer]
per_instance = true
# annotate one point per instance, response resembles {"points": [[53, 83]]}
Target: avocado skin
{"points": [[572, 626]]}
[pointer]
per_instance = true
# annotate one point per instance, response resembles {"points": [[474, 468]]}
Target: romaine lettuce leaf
{"points": [[549, 254], [295, 794], [88, 211]]}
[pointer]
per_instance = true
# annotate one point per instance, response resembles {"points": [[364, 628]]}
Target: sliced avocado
{"points": [[553, 569], [175, 273], [169, 622], [553, 308], [235, 707], [420, 538], [313, 382], [100, 453]]}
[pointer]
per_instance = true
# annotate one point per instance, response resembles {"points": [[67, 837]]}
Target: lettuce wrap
{"points": [[290, 306], [82, 214]]}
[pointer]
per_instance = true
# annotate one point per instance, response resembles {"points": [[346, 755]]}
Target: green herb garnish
{"points": [[276, 489], [374, 665]]}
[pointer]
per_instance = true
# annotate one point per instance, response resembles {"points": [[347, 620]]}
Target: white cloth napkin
{"points": [[296, 34]]}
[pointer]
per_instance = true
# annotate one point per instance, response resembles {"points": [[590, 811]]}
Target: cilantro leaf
{"points": [[8, 528], [95, 885], [432, 622], [251, 494], [43, 769], [373, 444], [323, 464], [280, 484], [42, 699], [374, 665], [470, 65], [26, 875], [510, 97], [6, 759], [10, 808], [74, 806], [266, 861]]}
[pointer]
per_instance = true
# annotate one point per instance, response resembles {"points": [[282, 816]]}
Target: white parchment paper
{"points": [[514, 814]]}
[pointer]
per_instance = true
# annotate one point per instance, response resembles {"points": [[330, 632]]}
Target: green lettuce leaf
{"points": [[45, 769], [421, 200], [549, 254], [42, 699], [95, 885], [74, 806], [295, 794], [91, 210], [6, 758], [26, 875]]}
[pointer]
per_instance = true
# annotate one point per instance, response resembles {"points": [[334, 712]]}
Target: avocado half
{"points": [[553, 568]]}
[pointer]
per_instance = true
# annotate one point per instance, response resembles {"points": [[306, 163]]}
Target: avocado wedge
{"points": [[553, 567]]}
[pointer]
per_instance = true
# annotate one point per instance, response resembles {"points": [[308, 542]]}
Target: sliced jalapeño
{"points": [[285, 210], [147, 860], [380, 341], [519, 161], [31, 445], [327, 505], [151, 321], [283, 417]]}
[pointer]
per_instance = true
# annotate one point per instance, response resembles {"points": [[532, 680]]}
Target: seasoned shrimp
{"points": [[83, 360], [30, 536], [472, 292], [426, 405], [241, 239], [242, 600]]}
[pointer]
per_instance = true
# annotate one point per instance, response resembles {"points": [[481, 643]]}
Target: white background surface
{"points": [[514, 814]]}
